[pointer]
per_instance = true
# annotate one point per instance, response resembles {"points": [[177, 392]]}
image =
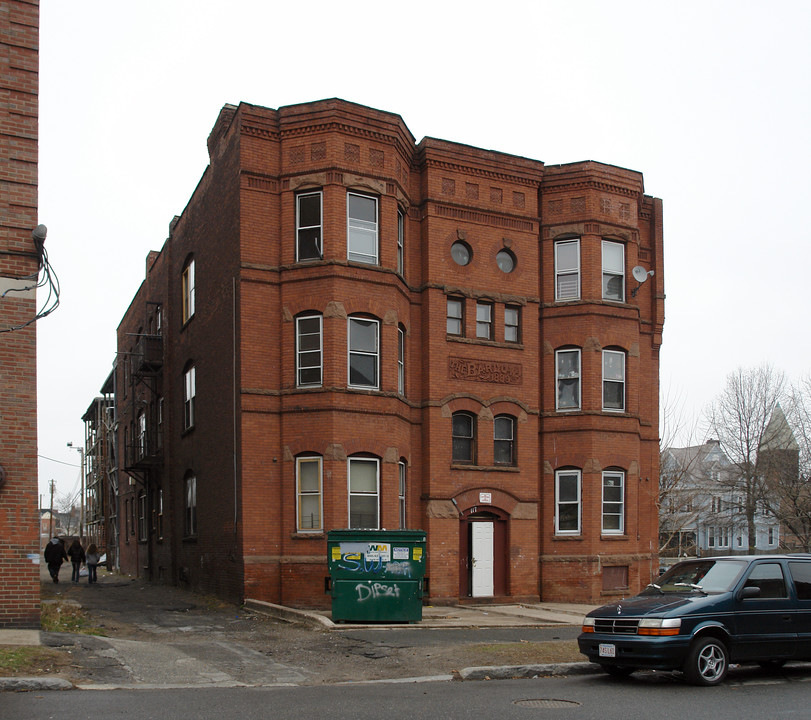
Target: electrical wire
{"points": [[46, 277]]}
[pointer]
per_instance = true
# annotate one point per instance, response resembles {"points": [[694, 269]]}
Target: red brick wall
{"points": [[19, 517], [240, 224]]}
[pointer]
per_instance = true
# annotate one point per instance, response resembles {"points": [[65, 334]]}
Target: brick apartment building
{"points": [[346, 328], [19, 267]]}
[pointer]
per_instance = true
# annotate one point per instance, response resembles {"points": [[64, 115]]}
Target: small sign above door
{"points": [[485, 498]]}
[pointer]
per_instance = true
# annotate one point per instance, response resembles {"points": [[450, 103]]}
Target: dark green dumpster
{"points": [[376, 575]]}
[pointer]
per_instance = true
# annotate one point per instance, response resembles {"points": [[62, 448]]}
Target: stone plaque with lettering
{"points": [[502, 373]]}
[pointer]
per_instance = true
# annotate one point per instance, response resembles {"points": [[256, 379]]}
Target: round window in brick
{"points": [[505, 260], [461, 253]]}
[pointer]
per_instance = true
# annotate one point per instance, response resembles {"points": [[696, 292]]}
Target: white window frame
{"points": [[484, 320], [300, 354], [362, 227], [319, 243], [559, 474], [512, 327], [565, 272], [559, 378], [621, 381], [453, 303], [609, 273], [401, 495], [509, 441], [190, 506], [620, 504], [363, 353], [351, 494], [318, 493], [189, 395], [401, 242], [187, 286], [401, 361]]}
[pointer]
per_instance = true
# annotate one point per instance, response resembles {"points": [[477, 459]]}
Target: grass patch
{"points": [[28, 661], [526, 653], [66, 618]]}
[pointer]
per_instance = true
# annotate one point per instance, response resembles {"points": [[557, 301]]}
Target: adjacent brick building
{"points": [[346, 328], [19, 266]]}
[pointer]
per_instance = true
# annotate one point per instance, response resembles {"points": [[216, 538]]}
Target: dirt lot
{"points": [[100, 618]]}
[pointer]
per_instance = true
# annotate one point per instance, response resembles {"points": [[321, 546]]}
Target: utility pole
{"points": [[52, 509], [80, 450]]}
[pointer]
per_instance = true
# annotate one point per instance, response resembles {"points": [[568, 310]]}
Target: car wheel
{"points": [[617, 670], [707, 662]]}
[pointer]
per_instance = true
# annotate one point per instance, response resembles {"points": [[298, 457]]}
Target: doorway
{"points": [[482, 551], [481, 559]]}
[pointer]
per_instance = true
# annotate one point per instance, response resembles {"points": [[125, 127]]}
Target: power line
{"points": [[61, 462]]}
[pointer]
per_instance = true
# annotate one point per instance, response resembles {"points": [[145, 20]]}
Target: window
{"points": [[363, 353], [308, 350], [308, 494], [461, 253], [187, 282], [190, 502], [141, 447], [142, 529], [772, 535], [613, 503], [567, 502], [801, 574], [309, 238], [401, 361], [504, 440], [189, 391], [568, 379], [769, 578], [567, 269], [505, 261], [363, 493], [484, 321], [462, 432], [615, 578], [158, 320], [613, 380], [512, 324], [362, 228], [402, 495], [159, 438], [456, 320], [613, 271], [400, 242], [159, 515]]}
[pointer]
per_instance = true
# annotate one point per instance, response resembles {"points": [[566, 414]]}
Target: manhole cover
{"points": [[547, 703]]}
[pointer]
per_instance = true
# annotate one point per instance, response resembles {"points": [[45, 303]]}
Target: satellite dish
{"points": [[640, 274]]}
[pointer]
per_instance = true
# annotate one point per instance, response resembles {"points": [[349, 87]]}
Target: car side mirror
{"points": [[749, 592]]}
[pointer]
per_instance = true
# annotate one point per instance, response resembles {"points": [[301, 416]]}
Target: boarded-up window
{"points": [[615, 578]]}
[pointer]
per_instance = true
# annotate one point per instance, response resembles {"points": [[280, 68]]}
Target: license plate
{"points": [[608, 650]]}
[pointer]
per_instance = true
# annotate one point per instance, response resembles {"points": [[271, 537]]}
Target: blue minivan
{"points": [[704, 614]]}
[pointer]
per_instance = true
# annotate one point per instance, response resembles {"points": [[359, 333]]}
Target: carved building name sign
{"points": [[480, 371]]}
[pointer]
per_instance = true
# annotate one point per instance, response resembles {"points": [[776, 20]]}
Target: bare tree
{"points": [[787, 466], [739, 418]]}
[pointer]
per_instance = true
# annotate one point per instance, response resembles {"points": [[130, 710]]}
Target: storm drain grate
{"points": [[546, 703]]}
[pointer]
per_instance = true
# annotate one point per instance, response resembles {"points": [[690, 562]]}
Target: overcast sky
{"points": [[710, 100]]}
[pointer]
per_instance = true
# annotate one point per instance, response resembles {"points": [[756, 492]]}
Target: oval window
{"points": [[461, 254], [506, 261]]}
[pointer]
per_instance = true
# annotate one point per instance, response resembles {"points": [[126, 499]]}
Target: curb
{"points": [[24, 684], [511, 672], [293, 615]]}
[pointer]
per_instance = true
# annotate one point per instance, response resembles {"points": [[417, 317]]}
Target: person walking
{"points": [[76, 555], [54, 555], [92, 560]]}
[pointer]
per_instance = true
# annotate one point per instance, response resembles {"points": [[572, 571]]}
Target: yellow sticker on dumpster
{"points": [[336, 552], [418, 554]]}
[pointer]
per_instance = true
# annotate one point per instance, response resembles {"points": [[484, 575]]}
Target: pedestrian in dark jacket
{"points": [[54, 555], [92, 559], [76, 555]]}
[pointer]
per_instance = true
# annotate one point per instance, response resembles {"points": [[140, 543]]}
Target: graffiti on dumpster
{"points": [[399, 568], [376, 591]]}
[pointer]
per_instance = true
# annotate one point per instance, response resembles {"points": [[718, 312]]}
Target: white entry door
{"points": [[481, 551]]}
